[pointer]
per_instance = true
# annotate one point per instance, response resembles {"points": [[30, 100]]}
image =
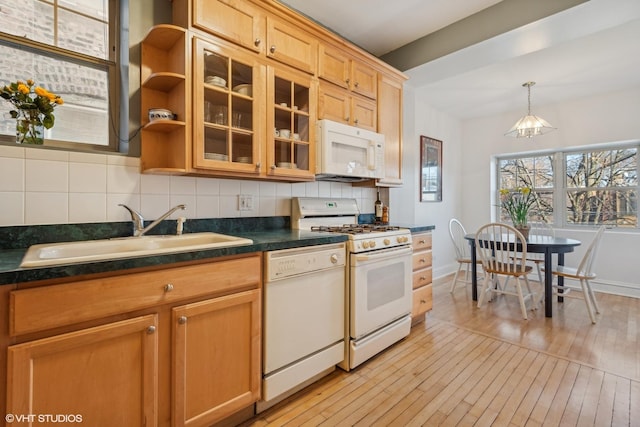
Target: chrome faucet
{"points": [[138, 221]]}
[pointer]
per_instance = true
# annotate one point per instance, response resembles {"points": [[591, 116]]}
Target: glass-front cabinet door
{"points": [[291, 100], [228, 109]]}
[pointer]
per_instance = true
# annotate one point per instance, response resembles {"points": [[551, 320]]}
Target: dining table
{"points": [[547, 245]]}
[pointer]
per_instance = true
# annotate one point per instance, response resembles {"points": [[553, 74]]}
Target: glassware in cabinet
{"points": [[290, 151], [225, 109]]}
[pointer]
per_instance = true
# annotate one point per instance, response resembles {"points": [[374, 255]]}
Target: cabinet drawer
{"points": [[422, 277], [38, 309], [421, 241], [421, 260], [422, 300]]}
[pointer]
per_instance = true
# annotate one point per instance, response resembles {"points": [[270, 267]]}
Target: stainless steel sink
{"points": [[49, 254]]}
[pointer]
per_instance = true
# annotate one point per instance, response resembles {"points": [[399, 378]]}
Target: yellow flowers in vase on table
{"points": [[33, 110], [517, 204]]}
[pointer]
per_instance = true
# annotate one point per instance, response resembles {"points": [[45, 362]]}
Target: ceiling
{"points": [[588, 49]]}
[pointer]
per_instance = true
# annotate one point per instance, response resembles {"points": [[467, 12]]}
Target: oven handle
{"points": [[384, 254]]}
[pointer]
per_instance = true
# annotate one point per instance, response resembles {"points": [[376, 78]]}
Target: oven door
{"points": [[380, 289]]}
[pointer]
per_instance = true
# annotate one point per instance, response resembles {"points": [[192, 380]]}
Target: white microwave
{"points": [[347, 153]]}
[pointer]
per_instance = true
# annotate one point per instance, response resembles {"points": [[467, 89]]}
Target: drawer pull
{"points": [[423, 278], [168, 287], [151, 329], [422, 301], [422, 260], [182, 320], [422, 242]]}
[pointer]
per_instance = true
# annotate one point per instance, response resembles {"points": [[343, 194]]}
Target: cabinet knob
{"points": [[257, 42], [151, 329], [168, 287], [182, 320], [272, 49], [334, 258], [258, 165], [347, 81], [273, 167], [356, 84], [346, 119], [355, 121]]}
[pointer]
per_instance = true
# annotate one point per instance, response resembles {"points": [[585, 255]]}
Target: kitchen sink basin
{"points": [[49, 254]]}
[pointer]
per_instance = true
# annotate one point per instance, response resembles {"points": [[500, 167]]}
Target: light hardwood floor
{"points": [[466, 366]]}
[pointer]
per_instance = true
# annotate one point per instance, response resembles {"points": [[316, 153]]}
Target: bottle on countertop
{"points": [[378, 209], [385, 214]]}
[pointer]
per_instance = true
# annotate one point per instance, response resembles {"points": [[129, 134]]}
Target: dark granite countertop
{"points": [[267, 235]]}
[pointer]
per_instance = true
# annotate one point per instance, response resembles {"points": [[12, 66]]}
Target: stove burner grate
{"points": [[355, 228]]}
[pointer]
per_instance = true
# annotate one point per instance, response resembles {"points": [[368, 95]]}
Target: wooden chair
{"points": [[541, 229], [497, 246], [584, 273], [463, 256]]}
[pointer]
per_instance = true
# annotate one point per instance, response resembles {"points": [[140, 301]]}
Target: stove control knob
{"points": [[387, 242], [365, 244], [372, 244]]}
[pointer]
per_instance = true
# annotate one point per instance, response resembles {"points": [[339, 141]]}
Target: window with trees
{"points": [[598, 186], [69, 47]]}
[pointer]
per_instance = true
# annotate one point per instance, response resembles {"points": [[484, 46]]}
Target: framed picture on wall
{"points": [[430, 169]]}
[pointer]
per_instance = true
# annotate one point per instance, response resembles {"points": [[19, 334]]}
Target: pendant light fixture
{"points": [[529, 126]]}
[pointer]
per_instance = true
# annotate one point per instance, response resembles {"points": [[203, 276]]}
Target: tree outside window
{"points": [[600, 187]]}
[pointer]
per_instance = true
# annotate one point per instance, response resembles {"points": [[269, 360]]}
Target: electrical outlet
{"points": [[245, 202]]}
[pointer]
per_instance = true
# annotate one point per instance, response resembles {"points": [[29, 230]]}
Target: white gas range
{"points": [[379, 293]]}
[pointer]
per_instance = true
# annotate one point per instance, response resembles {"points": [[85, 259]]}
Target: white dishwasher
{"points": [[304, 316]]}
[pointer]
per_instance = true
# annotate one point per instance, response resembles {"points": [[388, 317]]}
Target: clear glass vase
{"points": [[29, 127]]}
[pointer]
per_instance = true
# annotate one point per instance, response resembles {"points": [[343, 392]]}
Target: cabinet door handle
{"points": [[257, 42], [151, 329], [182, 320], [168, 287], [272, 49]]}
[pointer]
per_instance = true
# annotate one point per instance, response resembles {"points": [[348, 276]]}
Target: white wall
{"points": [[468, 148], [405, 206], [40, 186]]}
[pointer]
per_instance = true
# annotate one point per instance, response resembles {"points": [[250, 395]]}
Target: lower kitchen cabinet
{"points": [[422, 276], [105, 375], [210, 384], [174, 346]]}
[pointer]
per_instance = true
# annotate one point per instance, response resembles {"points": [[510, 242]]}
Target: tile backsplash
{"points": [[41, 186]]}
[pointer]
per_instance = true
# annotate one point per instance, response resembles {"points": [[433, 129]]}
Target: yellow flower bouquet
{"points": [[517, 204], [33, 109]]}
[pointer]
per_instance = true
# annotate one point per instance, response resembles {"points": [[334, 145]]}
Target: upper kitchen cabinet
{"points": [[228, 105], [338, 67], [165, 84], [390, 125], [248, 25], [235, 20], [346, 107], [291, 100]]}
